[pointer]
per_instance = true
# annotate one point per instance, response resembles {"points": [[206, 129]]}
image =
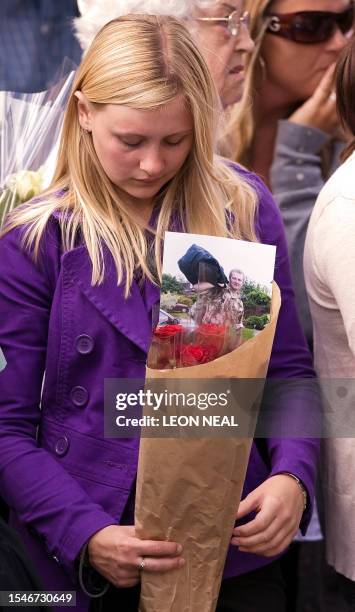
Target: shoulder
{"points": [[335, 205], [19, 260], [330, 238], [340, 185]]}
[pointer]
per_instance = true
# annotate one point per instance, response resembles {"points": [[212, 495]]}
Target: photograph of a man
{"points": [[234, 307]]}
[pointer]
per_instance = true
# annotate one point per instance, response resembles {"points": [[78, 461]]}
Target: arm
{"points": [[45, 497], [333, 252], [291, 366], [278, 501], [296, 180]]}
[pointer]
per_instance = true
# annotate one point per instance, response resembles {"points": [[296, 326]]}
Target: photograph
{"points": [[216, 281]]}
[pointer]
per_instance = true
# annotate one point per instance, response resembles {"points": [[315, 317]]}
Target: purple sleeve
{"points": [[44, 496], [298, 403]]}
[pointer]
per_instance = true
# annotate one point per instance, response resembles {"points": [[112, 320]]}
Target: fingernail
{"points": [[181, 562], [237, 533], [179, 549]]}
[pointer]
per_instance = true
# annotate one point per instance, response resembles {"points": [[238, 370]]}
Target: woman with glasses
{"points": [[290, 135]]}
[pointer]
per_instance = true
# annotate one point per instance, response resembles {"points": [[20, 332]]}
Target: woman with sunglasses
{"points": [[290, 134], [330, 280]]}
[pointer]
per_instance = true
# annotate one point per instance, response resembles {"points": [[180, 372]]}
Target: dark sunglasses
{"points": [[310, 27]]}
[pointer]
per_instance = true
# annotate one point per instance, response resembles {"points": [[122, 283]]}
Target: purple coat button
{"points": [[61, 446], [79, 396], [84, 344]]}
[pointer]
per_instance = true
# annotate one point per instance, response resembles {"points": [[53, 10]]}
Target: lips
{"points": [[237, 69], [148, 181]]}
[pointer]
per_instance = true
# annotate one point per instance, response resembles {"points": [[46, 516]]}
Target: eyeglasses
{"points": [[310, 27], [233, 22]]}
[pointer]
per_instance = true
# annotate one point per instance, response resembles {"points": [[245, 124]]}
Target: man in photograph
{"points": [[234, 307]]}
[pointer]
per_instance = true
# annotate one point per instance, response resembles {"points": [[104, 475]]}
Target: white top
{"points": [[329, 266]]}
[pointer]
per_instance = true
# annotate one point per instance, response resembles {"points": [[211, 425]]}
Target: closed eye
{"points": [[173, 143], [130, 145]]}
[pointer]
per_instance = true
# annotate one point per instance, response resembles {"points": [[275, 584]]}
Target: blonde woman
{"points": [[286, 128], [79, 274]]}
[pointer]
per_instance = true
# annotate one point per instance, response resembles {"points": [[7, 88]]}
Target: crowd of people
{"points": [[227, 118]]}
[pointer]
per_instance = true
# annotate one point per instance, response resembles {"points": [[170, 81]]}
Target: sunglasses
{"points": [[310, 27]]}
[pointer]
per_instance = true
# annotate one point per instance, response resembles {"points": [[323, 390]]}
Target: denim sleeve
{"points": [[296, 180]]}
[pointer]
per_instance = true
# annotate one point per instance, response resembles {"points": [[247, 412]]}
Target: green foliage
{"points": [[254, 295], [170, 284], [247, 333], [8, 201], [257, 322], [183, 299]]}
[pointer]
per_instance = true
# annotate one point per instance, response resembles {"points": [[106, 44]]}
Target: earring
{"points": [[261, 66]]}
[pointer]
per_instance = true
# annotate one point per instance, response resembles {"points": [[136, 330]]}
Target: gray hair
{"points": [[96, 13]]}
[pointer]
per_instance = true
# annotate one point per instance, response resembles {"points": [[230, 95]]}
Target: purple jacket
{"points": [[62, 478]]}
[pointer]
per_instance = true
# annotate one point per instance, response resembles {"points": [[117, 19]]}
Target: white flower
{"points": [[26, 183]]}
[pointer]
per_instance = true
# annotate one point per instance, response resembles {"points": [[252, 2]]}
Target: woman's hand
{"points": [[116, 553], [278, 503], [319, 111]]}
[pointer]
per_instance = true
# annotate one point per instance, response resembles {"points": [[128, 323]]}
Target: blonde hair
{"points": [[142, 62], [239, 130]]}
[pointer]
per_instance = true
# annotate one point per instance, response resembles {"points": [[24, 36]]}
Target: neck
{"points": [[140, 209]]}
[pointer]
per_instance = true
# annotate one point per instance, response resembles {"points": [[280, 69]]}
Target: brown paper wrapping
{"points": [[188, 490]]}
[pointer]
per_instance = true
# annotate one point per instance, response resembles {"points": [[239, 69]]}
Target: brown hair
{"points": [[345, 89]]}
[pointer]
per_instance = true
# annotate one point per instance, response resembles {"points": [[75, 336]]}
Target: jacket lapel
{"points": [[130, 316]]}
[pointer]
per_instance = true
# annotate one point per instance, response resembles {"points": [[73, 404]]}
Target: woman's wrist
{"points": [[301, 487]]}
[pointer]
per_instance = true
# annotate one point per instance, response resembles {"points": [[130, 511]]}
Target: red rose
{"points": [[192, 354], [211, 330], [167, 331], [211, 336]]}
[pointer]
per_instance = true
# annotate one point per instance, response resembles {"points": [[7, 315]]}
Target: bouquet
{"points": [[188, 489], [30, 127]]}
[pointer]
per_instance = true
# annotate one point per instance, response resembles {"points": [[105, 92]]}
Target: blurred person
{"points": [[329, 264], [113, 185], [36, 36], [286, 128]]}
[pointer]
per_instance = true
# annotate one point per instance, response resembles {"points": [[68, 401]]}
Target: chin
{"points": [[144, 192], [231, 97]]}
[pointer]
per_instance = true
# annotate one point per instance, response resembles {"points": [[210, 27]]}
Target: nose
{"points": [[244, 41], [152, 162], [338, 41]]}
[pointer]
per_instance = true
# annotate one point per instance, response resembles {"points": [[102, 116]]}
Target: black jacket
{"points": [[16, 573]]}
